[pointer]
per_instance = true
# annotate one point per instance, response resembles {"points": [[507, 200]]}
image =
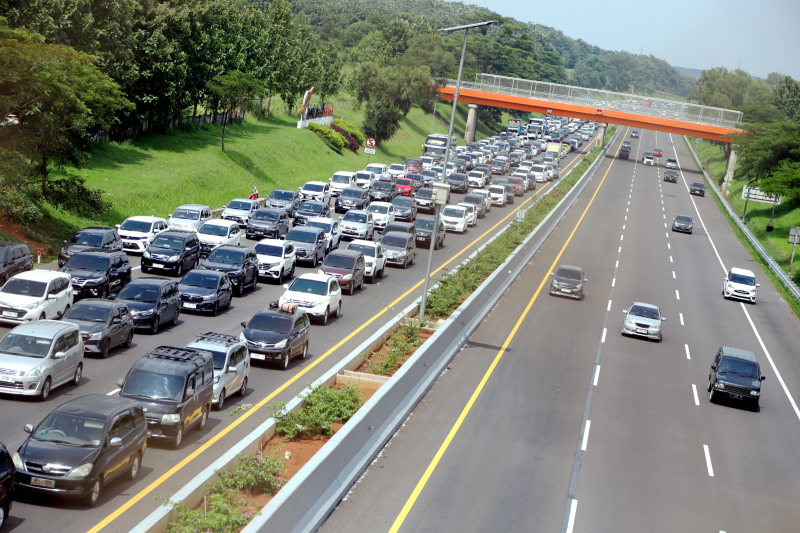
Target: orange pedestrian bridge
{"points": [[640, 112]]}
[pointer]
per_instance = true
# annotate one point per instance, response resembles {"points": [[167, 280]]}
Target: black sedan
{"points": [[278, 334], [206, 291], [240, 263], [104, 324], [311, 209], [152, 300], [698, 188], [682, 223], [7, 472], [424, 229], [383, 191], [671, 176], [405, 208]]}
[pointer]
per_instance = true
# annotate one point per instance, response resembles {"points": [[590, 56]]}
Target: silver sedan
{"points": [[643, 320]]}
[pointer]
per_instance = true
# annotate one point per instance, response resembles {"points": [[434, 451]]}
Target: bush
{"points": [[354, 132], [333, 139], [324, 406], [353, 144]]}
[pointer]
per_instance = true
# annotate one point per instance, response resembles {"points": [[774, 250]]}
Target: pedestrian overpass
{"points": [[639, 112]]}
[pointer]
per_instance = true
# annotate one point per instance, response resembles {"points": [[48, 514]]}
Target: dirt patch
{"points": [[13, 228]]}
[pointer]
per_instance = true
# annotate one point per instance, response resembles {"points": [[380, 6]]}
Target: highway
{"points": [[550, 420], [164, 471]]}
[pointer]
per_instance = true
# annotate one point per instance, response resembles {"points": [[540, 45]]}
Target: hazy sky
{"points": [[762, 34]]}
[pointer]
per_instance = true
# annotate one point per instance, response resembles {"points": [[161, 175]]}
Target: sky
{"points": [[761, 36]]}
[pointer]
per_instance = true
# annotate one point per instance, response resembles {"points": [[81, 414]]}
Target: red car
{"points": [[657, 152], [413, 165], [406, 186]]}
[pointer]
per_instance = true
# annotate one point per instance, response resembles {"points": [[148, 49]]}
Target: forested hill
{"points": [[348, 21]]}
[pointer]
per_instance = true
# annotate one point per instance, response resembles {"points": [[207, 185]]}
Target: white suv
{"points": [[231, 364], [341, 181], [318, 295], [35, 295], [740, 284], [382, 212], [137, 232], [276, 259], [218, 232], [332, 229], [374, 255], [240, 210], [455, 218], [189, 216], [365, 179], [316, 190]]}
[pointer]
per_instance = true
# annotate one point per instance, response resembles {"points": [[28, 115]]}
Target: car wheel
{"points": [[3, 514], [104, 292], [338, 312], [712, 396], [405, 263], [215, 311], [129, 341], [380, 272], [176, 442], [76, 379], [105, 348], [203, 419], [280, 277], [361, 285], [3, 282], [255, 282], [180, 270], [291, 273], [134, 471], [285, 360], [243, 390], [660, 338], [352, 288], [94, 494], [710, 385], [145, 270], [221, 400], [305, 351], [154, 327], [177, 316], [324, 318], [45, 394]]}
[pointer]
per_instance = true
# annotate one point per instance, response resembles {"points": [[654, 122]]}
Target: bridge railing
{"points": [[599, 99]]}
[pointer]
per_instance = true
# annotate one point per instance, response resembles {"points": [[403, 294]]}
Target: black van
{"points": [[15, 257], [7, 471], [736, 375], [175, 386]]}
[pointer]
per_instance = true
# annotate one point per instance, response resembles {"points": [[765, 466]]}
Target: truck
{"points": [[435, 146], [514, 126], [554, 151]]}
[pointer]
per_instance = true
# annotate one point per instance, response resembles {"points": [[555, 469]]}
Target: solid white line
{"points": [[586, 435], [708, 460], [687, 351], [609, 306], [596, 375], [613, 281], [113, 392], [694, 391], [681, 315], [603, 339], [571, 522], [673, 274]]}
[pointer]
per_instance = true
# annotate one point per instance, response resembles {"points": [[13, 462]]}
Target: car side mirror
{"points": [[763, 378], [52, 297], [585, 280], [663, 318], [244, 324], [59, 355], [118, 225], [625, 311], [28, 428], [552, 273], [190, 392], [231, 369], [116, 442], [116, 321], [285, 285], [758, 284], [120, 382]]}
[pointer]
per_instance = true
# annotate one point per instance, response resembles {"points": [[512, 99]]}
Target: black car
{"points": [[682, 223], [698, 189], [268, 223], [98, 273], [79, 448], [405, 208], [311, 209], [175, 386], [458, 182], [424, 230], [206, 291], [15, 257], [567, 281], [309, 244], [279, 333], [7, 473], [285, 199], [240, 263], [352, 198], [172, 251], [153, 301], [104, 324], [424, 200], [401, 248], [92, 237], [671, 176], [735, 374], [478, 201], [624, 153], [383, 191]]}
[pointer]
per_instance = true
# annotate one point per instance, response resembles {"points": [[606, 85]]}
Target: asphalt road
{"points": [[577, 428], [165, 471]]}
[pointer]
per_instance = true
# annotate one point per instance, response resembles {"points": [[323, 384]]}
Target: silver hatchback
{"points": [[643, 320], [40, 356]]}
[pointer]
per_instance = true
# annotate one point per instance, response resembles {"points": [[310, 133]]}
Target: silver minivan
{"points": [[231, 364], [39, 356]]}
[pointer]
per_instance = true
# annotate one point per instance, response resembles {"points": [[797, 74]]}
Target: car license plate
{"points": [[10, 313], [566, 290], [187, 305], [259, 356], [448, 226], [640, 330], [7, 379], [736, 396], [39, 482], [420, 238], [156, 265]]}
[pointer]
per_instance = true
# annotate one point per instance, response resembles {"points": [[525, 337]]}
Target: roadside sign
{"points": [[370, 151], [754, 194], [598, 141], [371, 143], [520, 216], [794, 235]]}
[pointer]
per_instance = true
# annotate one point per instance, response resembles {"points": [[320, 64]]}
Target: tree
{"points": [[786, 98], [769, 157], [330, 78], [590, 72], [233, 89], [303, 67]]}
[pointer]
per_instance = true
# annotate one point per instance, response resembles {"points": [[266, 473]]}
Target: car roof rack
{"points": [[171, 353], [221, 338]]}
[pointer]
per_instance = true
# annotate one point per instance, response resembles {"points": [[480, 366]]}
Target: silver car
{"points": [[231, 364], [40, 356], [643, 320]]}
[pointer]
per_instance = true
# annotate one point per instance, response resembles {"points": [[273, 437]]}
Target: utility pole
{"points": [[433, 118]]}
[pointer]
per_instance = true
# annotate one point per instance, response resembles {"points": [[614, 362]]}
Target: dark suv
{"points": [[458, 182], [309, 244], [279, 333], [238, 262], [172, 251], [175, 386], [98, 273], [268, 224], [7, 472], [91, 237], [152, 300], [735, 374], [383, 191], [424, 229], [311, 209], [15, 257], [348, 267], [352, 198], [103, 324]]}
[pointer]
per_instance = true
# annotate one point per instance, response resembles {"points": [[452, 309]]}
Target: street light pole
{"points": [[437, 206], [433, 118]]}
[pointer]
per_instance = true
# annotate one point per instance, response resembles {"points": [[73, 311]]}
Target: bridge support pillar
{"points": [[729, 171], [602, 135], [472, 123]]}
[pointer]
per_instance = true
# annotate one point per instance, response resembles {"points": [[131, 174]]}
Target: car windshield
{"points": [[269, 249], [271, 322], [213, 229], [309, 286], [364, 176], [313, 187], [644, 312], [88, 313], [424, 223], [397, 166], [742, 279], [239, 204], [24, 287], [138, 292], [427, 160], [683, 219], [25, 345], [497, 190], [70, 430], [698, 185], [425, 193], [136, 225], [269, 216], [472, 199], [311, 207], [375, 169], [197, 278], [403, 201], [339, 178], [225, 255], [339, 261], [457, 177], [185, 214], [282, 195], [516, 180], [404, 182], [428, 173], [671, 160], [352, 193], [167, 242], [648, 154], [383, 186], [569, 273], [736, 366], [394, 241], [301, 236], [476, 174], [87, 239], [453, 212], [382, 209], [412, 162], [324, 226], [368, 251], [154, 385], [355, 217]]}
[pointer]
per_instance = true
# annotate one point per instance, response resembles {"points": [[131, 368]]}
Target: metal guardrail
{"points": [[773, 265], [596, 99]]}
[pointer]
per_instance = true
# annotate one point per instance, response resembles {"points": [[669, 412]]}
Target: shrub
{"points": [[353, 144], [252, 474], [333, 139], [354, 132], [324, 406]]}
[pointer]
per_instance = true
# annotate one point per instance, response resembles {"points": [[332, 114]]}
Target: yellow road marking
{"points": [[443, 448]]}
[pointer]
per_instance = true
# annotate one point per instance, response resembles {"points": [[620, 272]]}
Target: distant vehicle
{"points": [[657, 152], [332, 229], [643, 320], [400, 248], [153, 301], [103, 324], [97, 273], [190, 217], [347, 266], [316, 190], [358, 224], [455, 218], [671, 162], [286, 200], [7, 474], [309, 244], [205, 291], [567, 281], [648, 159], [276, 259], [268, 223], [413, 165], [218, 232], [624, 153], [698, 188], [740, 284], [352, 198], [382, 212], [634, 134], [341, 181], [172, 251], [92, 237]]}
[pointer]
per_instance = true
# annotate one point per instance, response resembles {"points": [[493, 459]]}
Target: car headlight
{"points": [[348, 276], [33, 305], [36, 371], [401, 254], [146, 254], [17, 461], [629, 322], [281, 344], [752, 290], [369, 263], [96, 336], [81, 471], [209, 297], [171, 419], [216, 380], [719, 385], [235, 273], [146, 312], [173, 259], [729, 287], [754, 393], [241, 336], [319, 303]]}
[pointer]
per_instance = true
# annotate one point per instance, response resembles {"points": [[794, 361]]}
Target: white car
{"points": [[137, 232], [276, 259], [189, 216], [552, 171], [472, 213], [476, 178], [240, 210], [35, 295], [498, 194], [376, 168], [341, 181], [427, 162], [397, 171], [584, 135], [333, 233], [218, 232], [487, 197], [365, 179], [455, 218], [740, 284], [526, 165], [319, 295], [540, 173], [316, 190], [374, 255], [382, 212]]}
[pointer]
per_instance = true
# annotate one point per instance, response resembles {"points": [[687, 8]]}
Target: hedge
{"points": [[353, 143], [354, 132], [333, 139]]}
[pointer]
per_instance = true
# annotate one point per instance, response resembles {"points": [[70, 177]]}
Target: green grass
{"points": [[712, 158]]}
